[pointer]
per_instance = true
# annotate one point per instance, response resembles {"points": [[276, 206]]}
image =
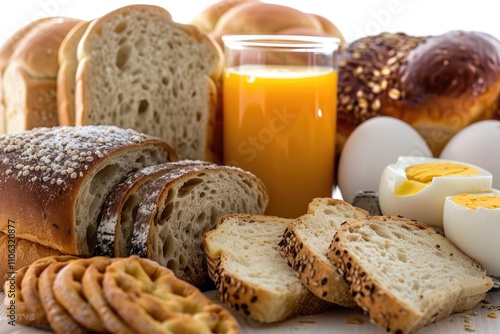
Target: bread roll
{"points": [[437, 84], [256, 17], [53, 181]]}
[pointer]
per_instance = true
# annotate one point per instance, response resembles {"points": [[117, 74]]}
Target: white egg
{"points": [[373, 145], [477, 144], [475, 231], [421, 195]]}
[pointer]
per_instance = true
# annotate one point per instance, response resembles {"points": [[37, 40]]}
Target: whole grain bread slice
{"points": [[305, 244], [250, 275], [139, 69], [404, 274], [183, 204]]}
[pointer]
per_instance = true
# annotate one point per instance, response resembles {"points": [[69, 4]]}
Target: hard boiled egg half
{"points": [[472, 223], [416, 187]]}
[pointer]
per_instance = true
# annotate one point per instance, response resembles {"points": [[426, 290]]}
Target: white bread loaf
{"points": [[181, 205], [66, 75], [404, 274], [139, 69], [55, 180], [29, 82], [305, 244], [6, 51], [114, 234], [250, 275]]}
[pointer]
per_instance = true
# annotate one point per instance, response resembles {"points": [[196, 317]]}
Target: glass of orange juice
{"points": [[279, 115]]}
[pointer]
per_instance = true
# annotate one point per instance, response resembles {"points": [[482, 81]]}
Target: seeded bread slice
{"points": [[54, 181], [120, 209], [404, 274], [305, 244], [139, 69], [250, 275], [183, 204]]}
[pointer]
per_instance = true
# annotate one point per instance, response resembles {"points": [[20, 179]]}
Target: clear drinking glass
{"points": [[279, 115]]}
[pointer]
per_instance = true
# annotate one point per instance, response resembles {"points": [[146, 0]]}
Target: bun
{"points": [[55, 180], [256, 17], [29, 81], [139, 69], [308, 237], [437, 84], [404, 274], [244, 262]]}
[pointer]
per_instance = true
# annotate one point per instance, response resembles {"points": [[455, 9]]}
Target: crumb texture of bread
{"points": [[181, 205], [305, 244], [139, 69], [404, 274], [249, 273]]}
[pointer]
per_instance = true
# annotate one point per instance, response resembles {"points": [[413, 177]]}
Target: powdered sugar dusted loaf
{"points": [[54, 180]]}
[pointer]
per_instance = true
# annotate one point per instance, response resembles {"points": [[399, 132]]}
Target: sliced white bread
{"points": [[305, 244], [250, 275], [180, 206], [139, 69], [55, 180], [66, 76], [114, 234], [30, 79], [404, 274]]}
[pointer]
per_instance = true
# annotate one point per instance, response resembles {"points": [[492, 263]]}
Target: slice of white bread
{"points": [[29, 82], [181, 205], [305, 244], [139, 69], [66, 75], [54, 181], [250, 275], [114, 234], [404, 274]]}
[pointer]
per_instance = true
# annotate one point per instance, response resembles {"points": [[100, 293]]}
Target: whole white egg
{"points": [[374, 144], [478, 144]]}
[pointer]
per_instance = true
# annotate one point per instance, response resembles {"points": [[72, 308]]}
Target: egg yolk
{"points": [[421, 175], [474, 201]]}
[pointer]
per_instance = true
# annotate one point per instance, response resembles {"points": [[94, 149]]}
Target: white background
{"points": [[355, 18]]}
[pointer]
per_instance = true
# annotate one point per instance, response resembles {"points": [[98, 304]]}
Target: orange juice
{"points": [[280, 125]]}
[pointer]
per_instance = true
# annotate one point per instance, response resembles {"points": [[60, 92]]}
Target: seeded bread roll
{"points": [[256, 17], [120, 209], [55, 180], [404, 274], [250, 275], [305, 243], [180, 206], [30, 79], [139, 69], [437, 84]]}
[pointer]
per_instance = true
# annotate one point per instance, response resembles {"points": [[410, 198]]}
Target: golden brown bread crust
{"points": [[19, 253], [44, 170], [256, 17], [437, 84]]}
